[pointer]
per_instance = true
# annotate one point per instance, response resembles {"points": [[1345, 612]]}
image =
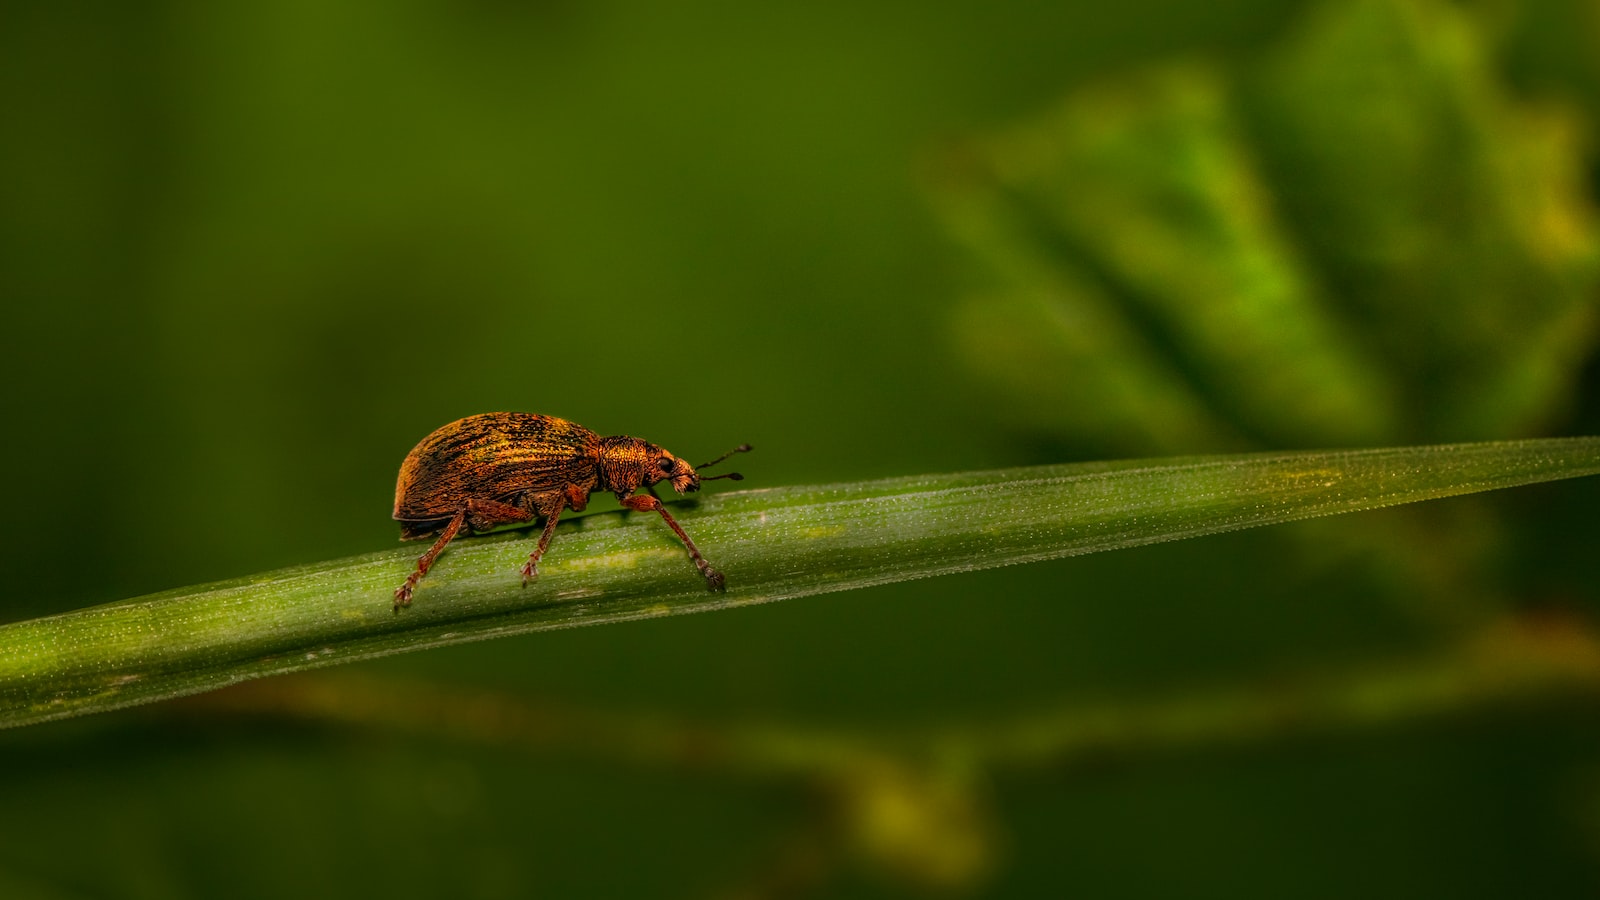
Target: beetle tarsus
{"points": [[715, 581], [402, 595], [530, 572]]}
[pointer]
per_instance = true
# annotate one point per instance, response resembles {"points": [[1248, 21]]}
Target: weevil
{"points": [[495, 469]]}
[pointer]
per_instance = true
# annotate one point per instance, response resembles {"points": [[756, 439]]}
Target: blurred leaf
{"points": [[1147, 184], [1360, 238], [914, 800], [1053, 344], [1452, 219], [1508, 660], [776, 544]]}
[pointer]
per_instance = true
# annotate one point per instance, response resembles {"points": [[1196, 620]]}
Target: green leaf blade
{"points": [[774, 544]]}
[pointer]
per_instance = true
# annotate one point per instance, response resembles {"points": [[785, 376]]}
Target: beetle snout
{"points": [[687, 481]]}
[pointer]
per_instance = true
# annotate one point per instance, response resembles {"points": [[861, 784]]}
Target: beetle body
{"points": [[495, 469]]}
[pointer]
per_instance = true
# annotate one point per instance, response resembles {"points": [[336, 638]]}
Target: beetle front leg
{"points": [[402, 594], [643, 502]]}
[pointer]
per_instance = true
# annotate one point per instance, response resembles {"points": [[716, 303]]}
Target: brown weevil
{"points": [[497, 469]]}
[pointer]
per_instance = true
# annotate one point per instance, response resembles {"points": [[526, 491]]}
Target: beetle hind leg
{"points": [[477, 515], [402, 594]]}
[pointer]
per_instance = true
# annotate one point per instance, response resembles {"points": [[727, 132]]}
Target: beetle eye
{"points": [[665, 464]]}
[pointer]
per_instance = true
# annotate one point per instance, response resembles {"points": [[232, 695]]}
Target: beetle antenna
{"points": [[742, 448], [731, 476]]}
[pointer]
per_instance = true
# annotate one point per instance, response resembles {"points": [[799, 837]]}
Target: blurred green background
{"points": [[251, 253]]}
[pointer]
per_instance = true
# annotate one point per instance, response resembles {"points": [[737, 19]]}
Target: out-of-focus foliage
{"points": [[1359, 237], [250, 253]]}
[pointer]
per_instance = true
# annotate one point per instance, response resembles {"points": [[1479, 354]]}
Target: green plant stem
{"points": [[1510, 662], [773, 544]]}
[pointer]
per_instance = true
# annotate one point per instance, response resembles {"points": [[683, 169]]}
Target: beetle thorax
{"points": [[622, 463]]}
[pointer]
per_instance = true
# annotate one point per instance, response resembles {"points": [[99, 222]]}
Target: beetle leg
{"points": [[482, 515], [643, 502], [530, 569], [402, 594], [577, 497]]}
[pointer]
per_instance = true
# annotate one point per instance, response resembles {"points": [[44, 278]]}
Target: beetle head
{"points": [[663, 466], [626, 463]]}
